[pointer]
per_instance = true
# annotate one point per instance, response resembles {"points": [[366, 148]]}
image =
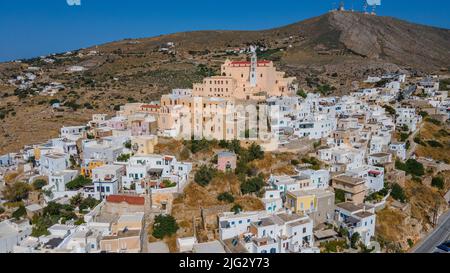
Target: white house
{"points": [[357, 218], [272, 200], [107, 180], [72, 131], [320, 126], [53, 162], [232, 225], [260, 233], [6, 160], [407, 117], [373, 177], [399, 149], [13, 232], [320, 179], [57, 180]]}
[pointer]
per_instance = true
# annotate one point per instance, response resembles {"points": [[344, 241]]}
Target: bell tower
{"points": [[253, 67]]}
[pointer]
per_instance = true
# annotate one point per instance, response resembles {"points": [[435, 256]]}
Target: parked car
{"points": [[444, 247]]}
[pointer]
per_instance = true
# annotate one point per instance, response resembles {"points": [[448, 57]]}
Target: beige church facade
{"points": [[247, 80]]}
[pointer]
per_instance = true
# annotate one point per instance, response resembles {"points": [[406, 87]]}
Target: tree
{"points": [[2, 210], [235, 146], [255, 152], [302, 93], [38, 184], [438, 182], [252, 185], [204, 175], [411, 166], [355, 239], [123, 157], [76, 200], [398, 193], [19, 213], [391, 111], [236, 208], [88, 203], [339, 196], [16, 192], [164, 225], [225, 197], [78, 183], [127, 144], [343, 232]]}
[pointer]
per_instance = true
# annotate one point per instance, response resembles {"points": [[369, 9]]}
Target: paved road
{"points": [[435, 238]]}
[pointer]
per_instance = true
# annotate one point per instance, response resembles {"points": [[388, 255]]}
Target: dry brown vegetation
{"points": [[188, 205], [438, 133], [395, 227]]}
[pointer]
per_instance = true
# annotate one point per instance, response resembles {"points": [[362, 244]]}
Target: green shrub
{"points": [[435, 144], [225, 197], [252, 185], [164, 225], [123, 157], [339, 196], [38, 184], [398, 193], [411, 166], [78, 183], [438, 182], [434, 121], [236, 208], [355, 239], [19, 213], [204, 175], [16, 192], [390, 110], [302, 93]]}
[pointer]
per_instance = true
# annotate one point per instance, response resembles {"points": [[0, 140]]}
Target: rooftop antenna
{"points": [[341, 6], [373, 4]]}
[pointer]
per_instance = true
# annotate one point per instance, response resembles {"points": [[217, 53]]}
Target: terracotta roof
{"points": [[131, 200], [248, 63]]}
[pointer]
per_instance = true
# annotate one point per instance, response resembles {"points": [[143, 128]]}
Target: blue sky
{"points": [[31, 28]]}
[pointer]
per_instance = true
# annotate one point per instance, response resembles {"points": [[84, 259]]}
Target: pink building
{"points": [[226, 161]]}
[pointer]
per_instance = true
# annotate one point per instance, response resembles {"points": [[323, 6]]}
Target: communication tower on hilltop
{"points": [[373, 4]]}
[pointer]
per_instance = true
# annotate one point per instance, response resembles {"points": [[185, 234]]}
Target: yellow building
{"points": [[301, 201], [144, 145], [86, 169]]}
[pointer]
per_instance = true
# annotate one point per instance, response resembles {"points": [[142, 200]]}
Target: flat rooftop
{"points": [[209, 247], [349, 180]]}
